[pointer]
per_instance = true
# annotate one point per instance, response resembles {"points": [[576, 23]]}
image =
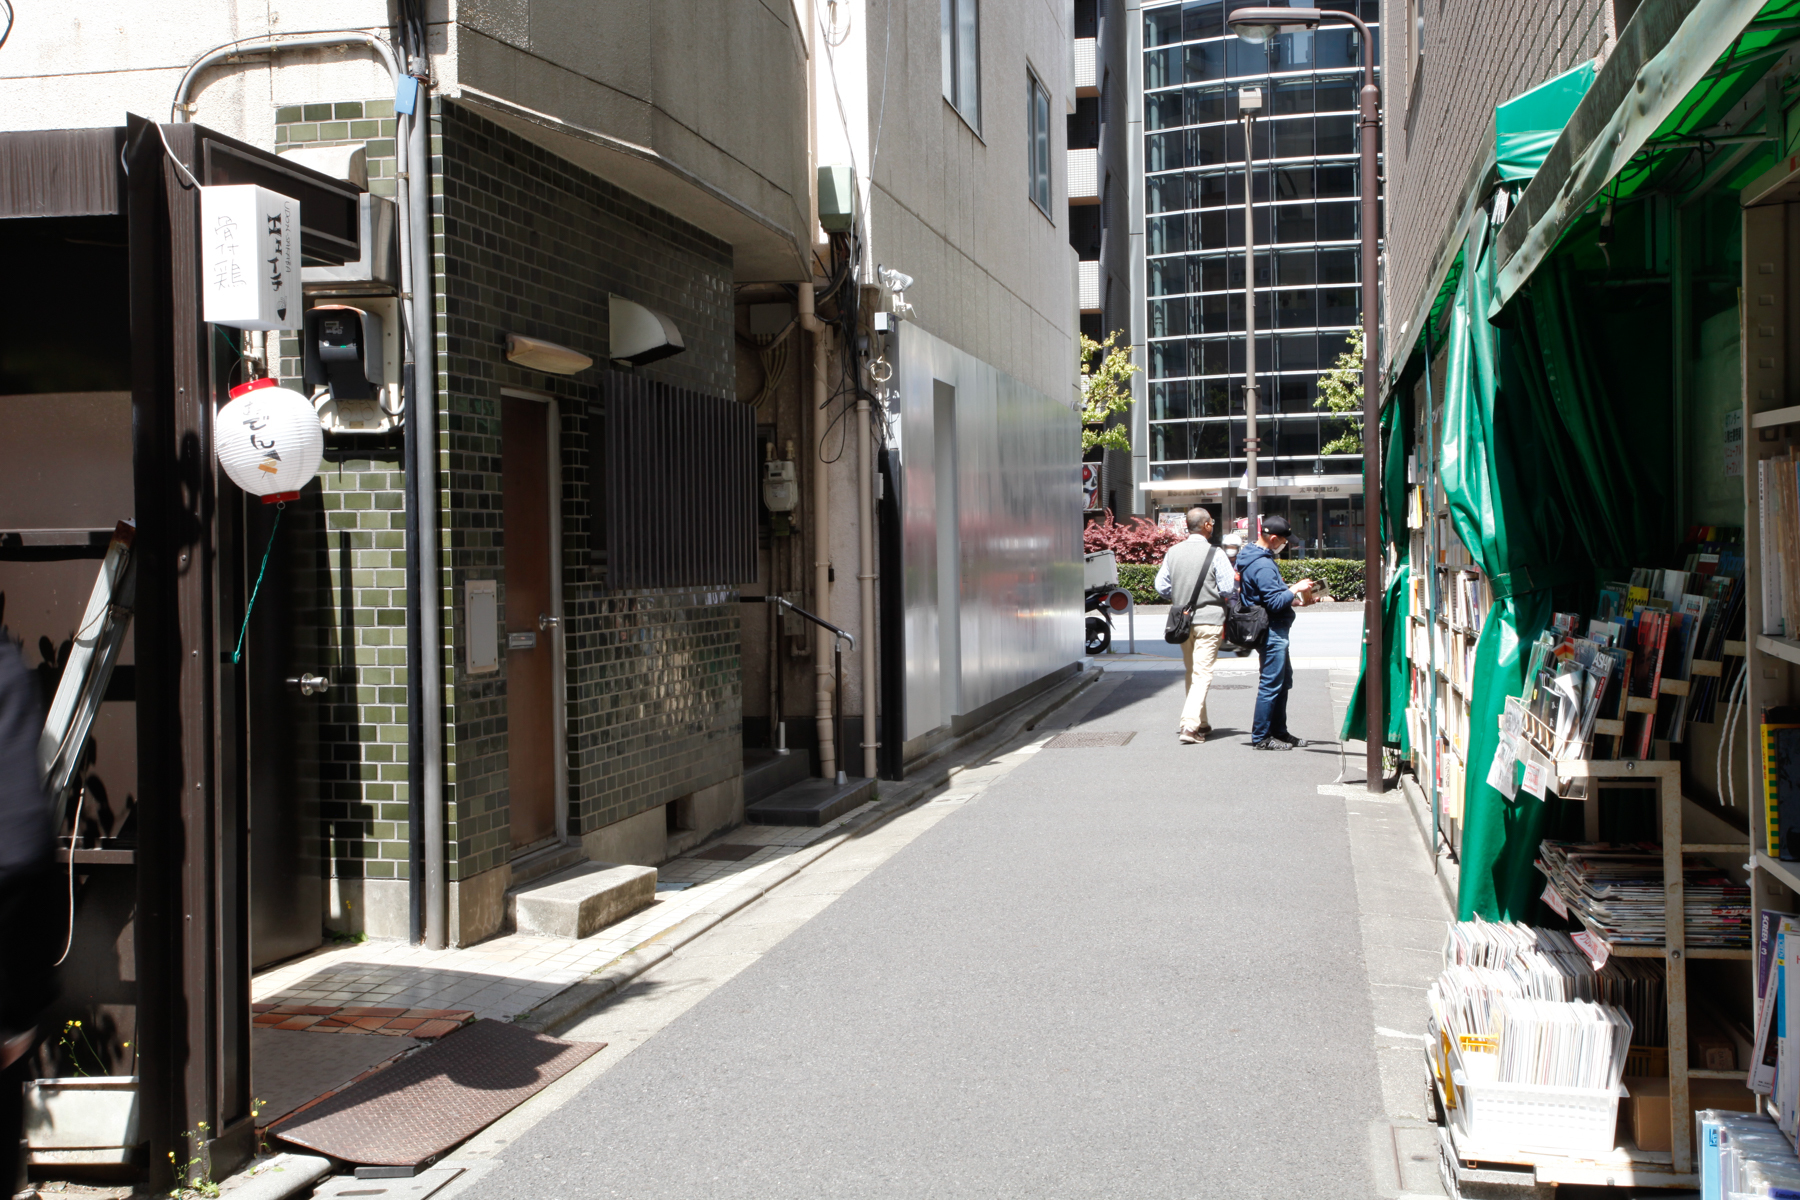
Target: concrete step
{"points": [[528, 868], [581, 900], [811, 802], [766, 772]]}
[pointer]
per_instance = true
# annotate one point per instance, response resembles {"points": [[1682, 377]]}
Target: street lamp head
{"points": [[1258, 25]]}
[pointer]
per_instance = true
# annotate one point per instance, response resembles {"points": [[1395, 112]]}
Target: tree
{"points": [[1341, 393], [1106, 371]]}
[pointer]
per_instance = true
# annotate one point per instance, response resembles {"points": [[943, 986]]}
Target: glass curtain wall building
{"points": [[1307, 234]]}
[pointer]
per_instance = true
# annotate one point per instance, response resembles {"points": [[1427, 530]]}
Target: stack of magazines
{"points": [[1519, 1005], [1616, 890]]}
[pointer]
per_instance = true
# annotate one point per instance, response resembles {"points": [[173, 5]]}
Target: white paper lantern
{"points": [[268, 440]]}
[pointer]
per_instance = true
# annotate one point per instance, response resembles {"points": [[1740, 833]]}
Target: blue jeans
{"points": [[1272, 691]]}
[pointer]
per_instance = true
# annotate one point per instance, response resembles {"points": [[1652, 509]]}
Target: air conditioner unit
{"points": [[377, 271]]}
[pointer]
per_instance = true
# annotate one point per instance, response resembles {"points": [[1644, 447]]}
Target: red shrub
{"points": [[1138, 540]]}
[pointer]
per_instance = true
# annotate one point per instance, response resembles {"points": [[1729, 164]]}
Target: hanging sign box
{"points": [[250, 257]]}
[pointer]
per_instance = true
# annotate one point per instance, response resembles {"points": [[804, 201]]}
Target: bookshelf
{"points": [[1448, 600]]}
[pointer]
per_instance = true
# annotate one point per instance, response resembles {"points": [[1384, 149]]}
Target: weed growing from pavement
{"points": [[194, 1177]]}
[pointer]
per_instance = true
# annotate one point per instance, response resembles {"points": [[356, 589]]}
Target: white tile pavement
{"points": [[514, 972]]}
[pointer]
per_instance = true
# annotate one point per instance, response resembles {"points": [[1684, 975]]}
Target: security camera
{"points": [[892, 280]]}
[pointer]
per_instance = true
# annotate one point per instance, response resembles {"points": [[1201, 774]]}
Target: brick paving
{"points": [[393, 1022]]}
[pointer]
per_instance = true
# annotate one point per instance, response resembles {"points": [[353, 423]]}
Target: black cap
{"points": [[1276, 527]]}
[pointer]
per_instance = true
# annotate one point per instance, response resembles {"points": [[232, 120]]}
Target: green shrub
{"points": [[1140, 580], [1342, 577]]}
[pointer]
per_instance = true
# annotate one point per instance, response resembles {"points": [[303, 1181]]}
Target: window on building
{"points": [[1037, 119], [959, 25]]}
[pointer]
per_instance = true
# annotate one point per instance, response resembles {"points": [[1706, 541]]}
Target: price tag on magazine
{"points": [[1537, 777], [1593, 947], [1555, 901]]}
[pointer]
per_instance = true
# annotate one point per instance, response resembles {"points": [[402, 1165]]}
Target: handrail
{"points": [[842, 634]]}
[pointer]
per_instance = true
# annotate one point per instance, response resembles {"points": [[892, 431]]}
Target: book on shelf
{"points": [[1781, 781]]}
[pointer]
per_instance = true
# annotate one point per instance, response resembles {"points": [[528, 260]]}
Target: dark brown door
{"points": [[530, 649]]}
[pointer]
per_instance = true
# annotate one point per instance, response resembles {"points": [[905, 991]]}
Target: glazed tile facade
{"points": [[526, 244]]}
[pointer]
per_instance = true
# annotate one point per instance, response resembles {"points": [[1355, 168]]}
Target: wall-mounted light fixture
{"points": [[539, 355], [640, 335]]}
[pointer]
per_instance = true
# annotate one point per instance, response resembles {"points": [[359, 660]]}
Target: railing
{"points": [[1087, 285], [1084, 175], [839, 637], [1087, 73]]}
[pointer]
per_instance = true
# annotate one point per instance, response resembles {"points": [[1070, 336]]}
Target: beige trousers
{"points": [[1198, 654]]}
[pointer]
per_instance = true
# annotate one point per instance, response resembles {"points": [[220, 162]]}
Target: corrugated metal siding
{"points": [[672, 484]]}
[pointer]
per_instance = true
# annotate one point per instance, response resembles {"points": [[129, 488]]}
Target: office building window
{"points": [[1037, 123], [959, 26]]}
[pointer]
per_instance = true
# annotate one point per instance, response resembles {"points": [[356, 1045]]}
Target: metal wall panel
{"points": [[672, 486], [1015, 530]]}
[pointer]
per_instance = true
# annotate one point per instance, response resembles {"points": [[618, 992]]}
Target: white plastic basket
{"points": [[1526, 1116]]}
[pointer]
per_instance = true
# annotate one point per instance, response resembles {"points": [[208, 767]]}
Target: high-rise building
{"points": [[1190, 437]]}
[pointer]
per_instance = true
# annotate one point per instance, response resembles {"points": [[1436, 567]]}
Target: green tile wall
{"points": [[525, 243]]}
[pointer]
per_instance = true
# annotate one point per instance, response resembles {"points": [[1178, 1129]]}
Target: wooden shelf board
{"points": [[1774, 417], [1709, 667], [1786, 649], [1702, 1073], [1640, 704], [1715, 848], [1744, 955], [1674, 687], [1735, 649], [1788, 873]]}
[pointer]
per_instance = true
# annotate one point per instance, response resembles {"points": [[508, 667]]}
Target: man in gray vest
{"points": [[1182, 569]]}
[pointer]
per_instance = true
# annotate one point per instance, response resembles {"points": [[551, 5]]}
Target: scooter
{"points": [[1103, 601], [1104, 597]]}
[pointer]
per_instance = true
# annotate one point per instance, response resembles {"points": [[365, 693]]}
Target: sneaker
{"points": [[1271, 743], [1192, 738], [1289, 738]]}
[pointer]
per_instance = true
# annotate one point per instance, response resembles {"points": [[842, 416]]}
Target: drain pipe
{"points": [[430, 666], [809, 321], [865, 575]]}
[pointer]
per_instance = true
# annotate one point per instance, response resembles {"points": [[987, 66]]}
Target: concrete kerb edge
{"points": [[579, 999], [276, 1177], [1446, 874]]}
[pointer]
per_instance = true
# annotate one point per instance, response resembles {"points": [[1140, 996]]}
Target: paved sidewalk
{"points": [[515, 972]]}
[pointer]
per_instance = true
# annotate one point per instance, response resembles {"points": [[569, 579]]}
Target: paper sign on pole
{"points": [[250, 257]]}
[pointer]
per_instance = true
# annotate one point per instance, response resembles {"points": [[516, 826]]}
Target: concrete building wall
{"points": [[947, 203], [1438, 107]]}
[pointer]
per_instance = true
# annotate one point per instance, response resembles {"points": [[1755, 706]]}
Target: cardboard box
{"points": [[1650, 1105]]}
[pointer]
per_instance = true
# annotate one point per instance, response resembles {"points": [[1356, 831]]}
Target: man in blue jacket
{"points": [[1259, 582]]}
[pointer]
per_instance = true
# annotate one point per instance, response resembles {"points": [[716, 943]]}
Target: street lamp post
{"points": [[1249, 103], [1258, 25]]}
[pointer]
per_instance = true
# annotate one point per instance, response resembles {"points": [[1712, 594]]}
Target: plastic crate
{"points": [[1526, 1116]]}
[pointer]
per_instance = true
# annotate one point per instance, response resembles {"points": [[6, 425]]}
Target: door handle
{"points": [[311, 685], [546, 622]]}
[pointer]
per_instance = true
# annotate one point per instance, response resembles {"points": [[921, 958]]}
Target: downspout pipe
{"points": [[865, 576], [821, 513], [430, 667]]}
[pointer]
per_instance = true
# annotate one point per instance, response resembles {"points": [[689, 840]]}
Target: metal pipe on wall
{"points": [[430, 666], [822, 695], [865, 578]]}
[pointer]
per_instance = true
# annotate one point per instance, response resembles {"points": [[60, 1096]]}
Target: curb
{"points": [[276, 1178], [579, 999], [1447, 873]]}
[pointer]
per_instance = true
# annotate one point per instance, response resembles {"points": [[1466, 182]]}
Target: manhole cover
{"points": [[1229, 687], [1087, 741], [728, 852]]}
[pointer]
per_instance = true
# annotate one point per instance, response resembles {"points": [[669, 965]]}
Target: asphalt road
{"points": [[1131, 972]]}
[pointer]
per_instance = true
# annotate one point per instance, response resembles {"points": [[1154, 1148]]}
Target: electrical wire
{"points": [[7, 32], [74, 840]]}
